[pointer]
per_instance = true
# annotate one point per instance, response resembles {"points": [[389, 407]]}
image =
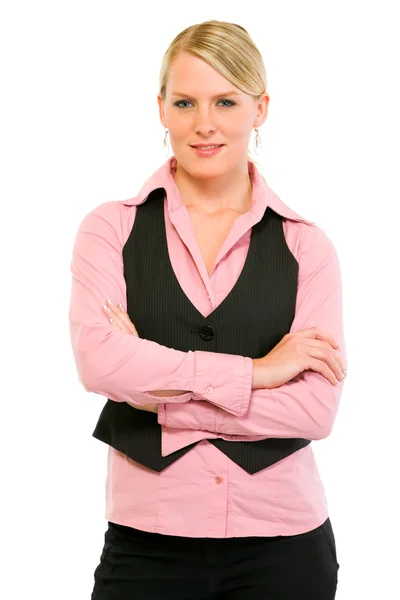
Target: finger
{"points": [[320, 366], [128, 321], [319, 334], [327, 356], [115, 319], [124, 316], [121, 317], [335, 354]]}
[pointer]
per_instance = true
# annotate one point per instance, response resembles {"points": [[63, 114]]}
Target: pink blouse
{"points": [[204, 493]]}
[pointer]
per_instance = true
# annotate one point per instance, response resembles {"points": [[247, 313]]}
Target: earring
{"points": [[166, 142], [257, 142]]}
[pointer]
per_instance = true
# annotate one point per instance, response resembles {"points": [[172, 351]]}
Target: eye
{"points": [[230, 102], [180, 102]]}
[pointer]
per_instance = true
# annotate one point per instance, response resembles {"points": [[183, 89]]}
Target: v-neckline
{"points": [[236, 284]]}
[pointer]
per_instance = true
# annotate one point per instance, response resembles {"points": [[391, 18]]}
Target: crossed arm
{"points": [[306, 406], [125, 367]]}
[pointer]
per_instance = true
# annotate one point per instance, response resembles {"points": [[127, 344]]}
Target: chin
{"points": [[206, 166], [206, 171]]}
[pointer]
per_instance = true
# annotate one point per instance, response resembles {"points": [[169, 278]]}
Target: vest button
{"points": [[206, 333]]}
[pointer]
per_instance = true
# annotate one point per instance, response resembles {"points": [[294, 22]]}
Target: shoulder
{"points": [[109, 220], [316, 255], [316, 246], [108, 212], [308, 241]]}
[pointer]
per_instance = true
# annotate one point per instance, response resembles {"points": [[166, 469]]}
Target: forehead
{"points": [[190, 74]]}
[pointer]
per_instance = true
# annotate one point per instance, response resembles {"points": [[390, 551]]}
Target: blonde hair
{"points": [[227, 48]]}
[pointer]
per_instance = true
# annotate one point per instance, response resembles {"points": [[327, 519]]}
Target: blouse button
{"points": [[218, 480], [209, 390]]}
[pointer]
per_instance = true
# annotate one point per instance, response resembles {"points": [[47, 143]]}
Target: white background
{"points": [[80, 126]]}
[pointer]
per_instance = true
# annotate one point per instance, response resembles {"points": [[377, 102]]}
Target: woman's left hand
{"points": [[119, 317]]}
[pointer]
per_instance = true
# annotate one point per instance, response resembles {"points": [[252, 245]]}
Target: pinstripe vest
{"points": [[250, 321]]}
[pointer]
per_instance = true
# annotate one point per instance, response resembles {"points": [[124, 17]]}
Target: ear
{"points": [[161, 111], [262, 109]]}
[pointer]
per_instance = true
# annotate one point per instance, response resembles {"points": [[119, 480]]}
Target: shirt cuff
{"points": [[223, 380]]}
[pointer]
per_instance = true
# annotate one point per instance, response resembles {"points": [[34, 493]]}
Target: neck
{"points": [[232, 191]]}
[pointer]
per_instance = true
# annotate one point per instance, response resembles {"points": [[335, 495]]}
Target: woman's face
{"points": [[202, 107]]}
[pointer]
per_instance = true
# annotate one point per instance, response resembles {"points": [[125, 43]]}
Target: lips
{"points": [[206, 146]]}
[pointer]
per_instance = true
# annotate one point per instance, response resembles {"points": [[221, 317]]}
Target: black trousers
{"points": [[137, 565]]}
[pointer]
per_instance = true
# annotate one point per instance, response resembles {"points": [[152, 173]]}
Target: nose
{"points": [[204, 124]]}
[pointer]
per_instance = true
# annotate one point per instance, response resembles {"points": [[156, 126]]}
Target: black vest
{"points": [[250, 321]]}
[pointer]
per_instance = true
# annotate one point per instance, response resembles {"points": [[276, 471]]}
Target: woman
{"points": [[218, 354]]}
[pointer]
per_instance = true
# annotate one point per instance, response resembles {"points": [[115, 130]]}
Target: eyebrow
{"points": [[229, 93]]}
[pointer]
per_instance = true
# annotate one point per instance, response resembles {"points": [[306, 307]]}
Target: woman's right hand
{"points": [[309, 348]]}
